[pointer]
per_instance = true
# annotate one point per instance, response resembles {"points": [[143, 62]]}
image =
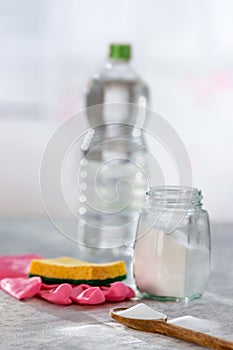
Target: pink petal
{"points": [[21, 287], [77, 290], [131, 293], [104, 289], [59, 295], [118, 291], [16, 265], [90, 296], [48, 286]]}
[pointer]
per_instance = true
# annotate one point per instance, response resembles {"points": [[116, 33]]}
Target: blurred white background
{"points": [[50, 48]]}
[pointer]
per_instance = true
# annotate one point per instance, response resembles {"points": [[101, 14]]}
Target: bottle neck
{"points": [[174, 198], [115, 62]]}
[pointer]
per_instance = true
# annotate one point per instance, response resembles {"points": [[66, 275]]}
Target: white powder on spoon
{"points": [[143, 312], [194, 323]]}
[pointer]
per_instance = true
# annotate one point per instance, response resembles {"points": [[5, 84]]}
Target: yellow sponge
{"points": [[64, 269]]}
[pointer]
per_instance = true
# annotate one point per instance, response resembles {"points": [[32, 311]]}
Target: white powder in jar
{"points": [[166, 265]]}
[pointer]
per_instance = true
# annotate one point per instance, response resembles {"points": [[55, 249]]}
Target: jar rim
{"points": [[175, 194]]}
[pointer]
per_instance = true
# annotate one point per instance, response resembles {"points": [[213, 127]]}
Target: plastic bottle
{"points": [[112, 177]]}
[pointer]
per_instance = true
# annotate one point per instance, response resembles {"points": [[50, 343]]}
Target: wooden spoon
{"points": [[171, 330]]}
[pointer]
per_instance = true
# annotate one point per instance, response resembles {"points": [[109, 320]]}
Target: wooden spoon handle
{"points": [[171, 330]]}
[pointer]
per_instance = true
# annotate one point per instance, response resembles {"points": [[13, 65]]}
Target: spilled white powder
{"points": [[194, 323], [100, 333], [143, 312]]}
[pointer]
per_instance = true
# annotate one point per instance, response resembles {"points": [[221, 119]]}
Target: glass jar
{"points": [[172, 248]]}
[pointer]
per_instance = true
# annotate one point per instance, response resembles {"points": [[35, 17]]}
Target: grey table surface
{"points": [[37, 324]]}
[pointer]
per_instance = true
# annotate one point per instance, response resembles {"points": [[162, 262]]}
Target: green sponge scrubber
{"points": [[69, 270]]}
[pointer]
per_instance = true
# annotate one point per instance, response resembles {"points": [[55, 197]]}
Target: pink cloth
{"points": [[15, 281], [90, 296], [60, 295], [21, 287], [118, 291], [16, 265]]}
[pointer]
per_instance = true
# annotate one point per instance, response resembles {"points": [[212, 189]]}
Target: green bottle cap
{"points": [[120, 51]]}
